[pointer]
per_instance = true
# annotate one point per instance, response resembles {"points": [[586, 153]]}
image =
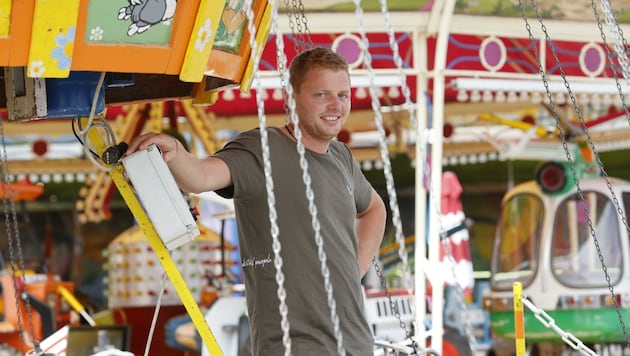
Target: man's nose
{"points": [[335, 102]]}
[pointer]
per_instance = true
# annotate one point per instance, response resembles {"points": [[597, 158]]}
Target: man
{"points": [[351, 214]]}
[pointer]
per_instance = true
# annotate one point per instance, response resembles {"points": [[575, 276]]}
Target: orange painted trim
{"points": [[181, 35], [21, 191], [14, 48], [232, 66], [226, 65], [133, 58]]}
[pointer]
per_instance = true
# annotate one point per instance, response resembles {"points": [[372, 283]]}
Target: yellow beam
{"points": [[118, 177], [201, 40]]}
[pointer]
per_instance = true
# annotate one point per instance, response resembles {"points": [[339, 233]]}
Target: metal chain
{"points": [[550, 323], [384, 154], [565, 145], [610, 57], [412, 118], [620, 212], [271, 198], [294, 10], [617, 33], [289, 12], [298, 23], [299, 28], [394, 306], [393, 44], [310, 195], [13, 238], [307, 33]]}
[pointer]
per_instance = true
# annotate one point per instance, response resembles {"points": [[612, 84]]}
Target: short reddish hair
{"points": [[318, 57]]}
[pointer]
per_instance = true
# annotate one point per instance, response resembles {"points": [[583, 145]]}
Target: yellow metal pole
{"points": [[516, 124], [519, 324], [75, 304], [160, 250]]}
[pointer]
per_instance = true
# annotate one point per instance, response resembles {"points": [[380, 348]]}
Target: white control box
{"points": [[160, 197]]}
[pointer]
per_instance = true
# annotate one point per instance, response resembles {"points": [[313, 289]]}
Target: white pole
{"points": [[437, 119], [419, 55]]}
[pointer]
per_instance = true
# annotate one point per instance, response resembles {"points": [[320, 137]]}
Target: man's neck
{"points": [[319, 148]]}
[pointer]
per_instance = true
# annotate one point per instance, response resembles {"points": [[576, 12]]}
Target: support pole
{"points": [[519, 323]]}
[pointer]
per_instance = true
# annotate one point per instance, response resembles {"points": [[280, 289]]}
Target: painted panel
{"points": [[231, 27], [52, 39], [201, 40], [5, 17], [133, 44], [124, 22]]}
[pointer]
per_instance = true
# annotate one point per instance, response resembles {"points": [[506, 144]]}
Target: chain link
{"points": [[14, 244], [394, 306], [620, 212], [550, 323], [271, 198], [617, 35], [310, 195], [289, 12], [393, 44], [307, 33], [298, 23], [387, 168], [609, 56], [299, 27], [586, 134], [412, 117]]}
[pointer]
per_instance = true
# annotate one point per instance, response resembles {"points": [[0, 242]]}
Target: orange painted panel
{"points": [[231, 63], [14, 48], [135, 58]]}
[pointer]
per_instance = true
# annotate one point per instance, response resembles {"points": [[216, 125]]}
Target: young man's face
{"points": [[323, 103]]}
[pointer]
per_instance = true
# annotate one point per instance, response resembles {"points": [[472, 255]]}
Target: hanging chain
{"points": [[306, 36], [387, 167], [468, 329], [299, 28], [610, 57], [617, 33], [565, 145], [549, 322], [271, 198], [13, 238], [301, 41], [394, 306], [310, 196], [393, 44]]}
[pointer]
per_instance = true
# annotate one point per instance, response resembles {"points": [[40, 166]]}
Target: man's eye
{"points": [[344, 96]]}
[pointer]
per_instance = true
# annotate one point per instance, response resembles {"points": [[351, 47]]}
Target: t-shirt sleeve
{"points": [[243, 157], [362, 187]]}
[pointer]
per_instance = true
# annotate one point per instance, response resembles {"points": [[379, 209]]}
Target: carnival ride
{"points": [[561, 244], [181, 62], [565, 241]]}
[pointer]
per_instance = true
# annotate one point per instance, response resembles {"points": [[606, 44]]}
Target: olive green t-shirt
{"points": [[340, 192]]}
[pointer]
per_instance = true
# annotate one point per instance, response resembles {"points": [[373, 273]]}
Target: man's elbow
{"points": [[381, 211]]}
